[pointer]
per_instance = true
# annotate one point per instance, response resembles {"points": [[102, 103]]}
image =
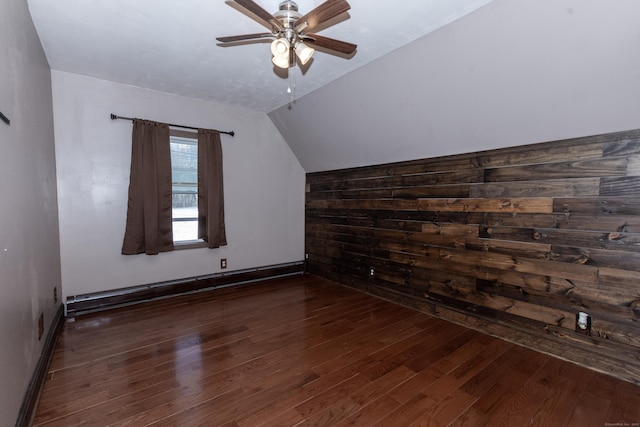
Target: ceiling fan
{"points": [[289, 31]]}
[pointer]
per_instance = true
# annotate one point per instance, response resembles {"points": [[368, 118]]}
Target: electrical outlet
{"points": [[40, 326], [306, 256], [371, 271], [223, 263], [55, 295], [583, 323]]}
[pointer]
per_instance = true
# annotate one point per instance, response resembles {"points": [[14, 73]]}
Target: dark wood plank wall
{"points": [[513, 242]]}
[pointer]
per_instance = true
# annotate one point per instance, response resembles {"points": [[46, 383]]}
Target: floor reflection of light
{"points": [[188, 361], [95, 323]]}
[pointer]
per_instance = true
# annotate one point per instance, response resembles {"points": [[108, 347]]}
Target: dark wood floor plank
{"points": [[591, 412], [371, 413], [408, 412], [519, 409], [381, 385], [446, 410], [330, 397], [442, 366], [483, 408], [496, 371], [293, 398], [334, 413], [560, 404], [625, 408], [306, 351]]}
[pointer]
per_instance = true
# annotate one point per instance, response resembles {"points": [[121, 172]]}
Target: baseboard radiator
{"points": [[86, 303]]}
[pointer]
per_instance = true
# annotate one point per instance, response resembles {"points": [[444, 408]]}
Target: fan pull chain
{"points": [[291, 90]]}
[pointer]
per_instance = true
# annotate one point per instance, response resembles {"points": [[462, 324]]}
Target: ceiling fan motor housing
{"points": [[287, 14]]}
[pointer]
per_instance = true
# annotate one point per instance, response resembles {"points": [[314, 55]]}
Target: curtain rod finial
{"points": [[113, 116]]}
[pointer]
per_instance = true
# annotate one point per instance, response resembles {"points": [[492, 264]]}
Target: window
{"points": [[184, 178], [180, 180]]}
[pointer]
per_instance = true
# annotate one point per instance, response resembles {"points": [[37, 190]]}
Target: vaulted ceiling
{"points": [[171, 46], [430, 77]]}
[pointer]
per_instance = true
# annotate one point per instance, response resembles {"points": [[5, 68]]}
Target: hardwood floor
{"points": [[304, 351]]}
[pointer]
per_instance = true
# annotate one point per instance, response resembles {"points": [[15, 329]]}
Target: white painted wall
{"points": [[264, 186], [511, 73], [29, 249]]}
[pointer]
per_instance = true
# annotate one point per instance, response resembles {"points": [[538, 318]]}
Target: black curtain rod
{"points": [[5, 118], [114, 117]]}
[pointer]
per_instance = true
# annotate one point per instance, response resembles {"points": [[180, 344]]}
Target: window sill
{"points": [[192, 244]]}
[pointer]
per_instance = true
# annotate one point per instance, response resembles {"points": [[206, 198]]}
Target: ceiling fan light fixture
{"points": [[280, 48], [280, 62], [303, 52]]}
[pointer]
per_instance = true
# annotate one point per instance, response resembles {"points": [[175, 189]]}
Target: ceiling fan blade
{"points": [[331, 44], [324, 12], [257, 10], [244, 37]]}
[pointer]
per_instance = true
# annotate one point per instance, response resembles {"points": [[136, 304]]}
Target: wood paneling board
{"points": [[352, 194], [618, 259], [541, 153], [576, 187], [624, 186], [522, 249], [515, 219], [596, 146], [397, 204], [525, 236], [579, 238], [633, 165], [613, 166], [614, 205], [454, 191], [628, 145], [605, 223], [512, 205], [440, 164], [378, 179]]}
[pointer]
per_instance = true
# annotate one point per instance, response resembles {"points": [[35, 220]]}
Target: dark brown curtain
{"points": [[149, 216], [210, 189]]}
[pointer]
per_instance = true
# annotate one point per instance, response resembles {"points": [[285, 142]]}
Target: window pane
{"points": [[185, 176], [185, 230], [184, 153], [184, 173]]}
